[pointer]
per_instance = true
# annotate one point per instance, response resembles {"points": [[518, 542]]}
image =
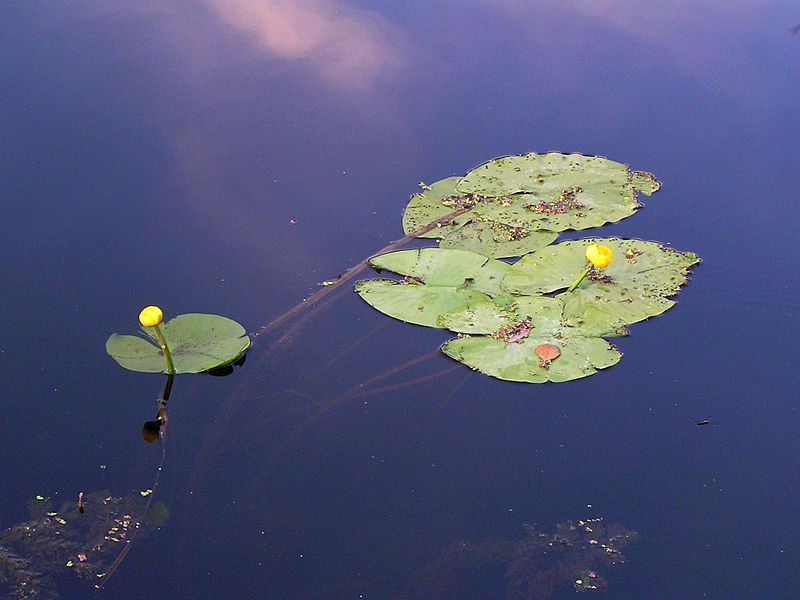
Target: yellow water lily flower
{"points": [[599, 255], [150, 316]]}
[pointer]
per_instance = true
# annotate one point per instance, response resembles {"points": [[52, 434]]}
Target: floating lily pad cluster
{"points": [[516, 321]]}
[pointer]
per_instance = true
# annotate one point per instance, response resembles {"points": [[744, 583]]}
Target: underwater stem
{"points": [[356, 269], [165, 350], [583, 274]]}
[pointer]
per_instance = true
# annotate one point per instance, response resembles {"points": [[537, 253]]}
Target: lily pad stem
{"points": [[165, 350], [580, 278], [356, 269]]}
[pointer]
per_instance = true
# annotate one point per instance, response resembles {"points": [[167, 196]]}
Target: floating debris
{"points": [[34, 553], [516, 332], [560, 205], [539, 565], [547, 353]]}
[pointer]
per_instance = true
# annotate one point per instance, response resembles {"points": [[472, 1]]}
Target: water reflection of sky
{"points": [[158, 151]]}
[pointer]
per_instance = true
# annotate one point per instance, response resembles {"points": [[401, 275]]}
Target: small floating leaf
{"points": [[548, 353], [198, 342]]}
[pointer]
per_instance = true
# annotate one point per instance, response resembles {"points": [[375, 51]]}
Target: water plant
{"points": [[189, 343], [530, 321]]}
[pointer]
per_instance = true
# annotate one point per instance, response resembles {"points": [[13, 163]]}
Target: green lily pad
{"points": [[197, 342], [517, 198], [458, 290], [495, 239], [635, 286], [429, 205], [546, 314], [580, 357], [437, 281], [509, 351], [502, 313]]}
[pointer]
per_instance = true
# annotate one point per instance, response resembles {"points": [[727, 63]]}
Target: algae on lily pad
{"points": [[520, 203], [635, 286], [197, 342]]}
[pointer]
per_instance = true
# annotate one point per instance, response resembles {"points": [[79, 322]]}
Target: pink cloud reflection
{"points": [[347, 46]]}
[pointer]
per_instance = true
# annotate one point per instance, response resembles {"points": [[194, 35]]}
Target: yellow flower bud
{"points": [[150, 316], [598, 255]]}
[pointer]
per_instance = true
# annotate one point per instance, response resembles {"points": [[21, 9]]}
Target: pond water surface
{"points": [[227, 156]]}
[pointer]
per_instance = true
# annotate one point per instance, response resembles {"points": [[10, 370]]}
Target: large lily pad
{"points": [[437, 282], [635, 286], [517, 200], [580, 357], [507, 354], [197, 342]]}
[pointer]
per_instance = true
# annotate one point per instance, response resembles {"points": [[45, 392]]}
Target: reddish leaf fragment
{"points": [[547, 353]]}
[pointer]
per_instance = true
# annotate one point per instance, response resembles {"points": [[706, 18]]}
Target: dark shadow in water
{"points": [[539, 565], [227, 369], [54, 545]]}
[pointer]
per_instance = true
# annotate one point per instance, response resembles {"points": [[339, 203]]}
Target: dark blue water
{"points": [[157, 152]]}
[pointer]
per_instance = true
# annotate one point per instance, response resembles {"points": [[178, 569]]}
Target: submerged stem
{"points": [[357, 268], [580, 278]]}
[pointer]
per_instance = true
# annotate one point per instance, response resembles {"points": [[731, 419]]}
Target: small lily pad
{"points": [[197, 342]]}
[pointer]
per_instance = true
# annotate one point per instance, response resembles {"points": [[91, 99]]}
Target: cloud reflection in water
{"points": [[348, 47]]}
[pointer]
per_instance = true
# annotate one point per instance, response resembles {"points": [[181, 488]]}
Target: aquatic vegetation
{"points": [[502, 313], [520, 203], [82, 538], [539, 565], [530, 321], [189, 343]]}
